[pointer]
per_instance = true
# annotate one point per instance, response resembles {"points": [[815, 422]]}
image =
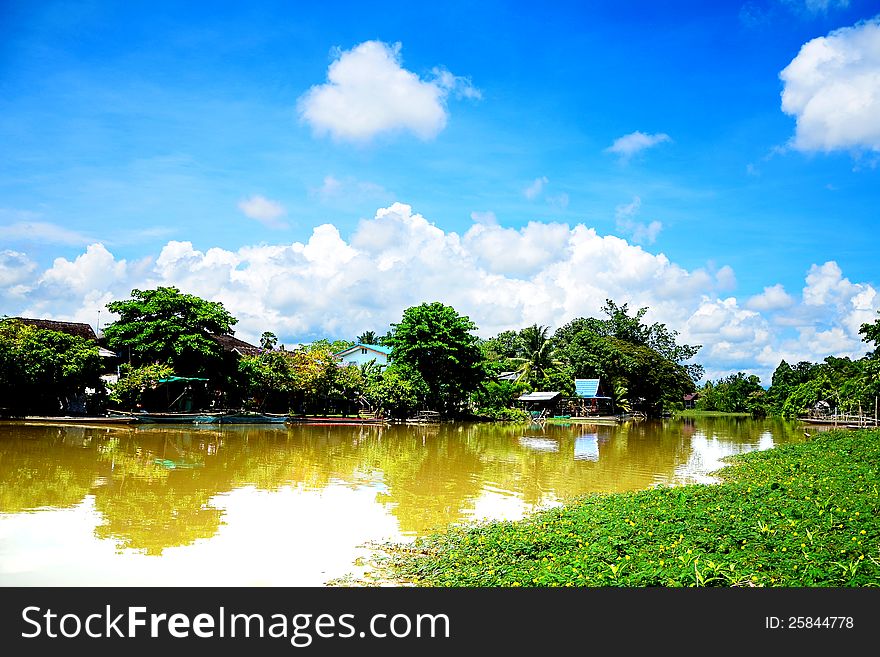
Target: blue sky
{"points": [[319, 167]]}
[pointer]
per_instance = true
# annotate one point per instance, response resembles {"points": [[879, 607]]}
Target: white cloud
{"points": [[635, 142], [265, 211], [832, 88], [330, 285], [534, 190], [368, 93], [773, 297], [641, 233], [43, 232], [822, 6], [15, 269], [488, 218], [333, 188]]}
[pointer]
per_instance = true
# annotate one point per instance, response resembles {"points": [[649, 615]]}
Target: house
{"points": [[76, 329], [232, 344], [360, 354], [507, 376], [690, 399], [541, 404], [109, 359], [589, 399]]}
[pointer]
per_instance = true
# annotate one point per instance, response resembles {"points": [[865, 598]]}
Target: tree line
{"points": [[164, 337], [835, 385], [437, 362]]}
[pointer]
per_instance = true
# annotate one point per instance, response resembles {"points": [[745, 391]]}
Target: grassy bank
{"points": [[796, 515]]}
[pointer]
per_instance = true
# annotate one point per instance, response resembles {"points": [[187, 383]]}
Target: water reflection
{"points": [[282, 505]]}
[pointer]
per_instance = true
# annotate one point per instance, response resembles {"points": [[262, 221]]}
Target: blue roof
{"points": [[586, 387]]}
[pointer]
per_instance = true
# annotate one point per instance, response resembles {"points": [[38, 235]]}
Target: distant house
{"points": [[541, 403], [76, 329], [360, 354], [232, 344], [690, 399], [590, 398], [110, 362]]}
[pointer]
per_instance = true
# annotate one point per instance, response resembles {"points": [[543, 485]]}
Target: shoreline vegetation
{"points": [[798, 515]]}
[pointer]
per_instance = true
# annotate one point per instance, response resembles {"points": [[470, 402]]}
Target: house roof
{"points": [[78, 329], [691, 396], [380, 349], [539, 396], [231, 343], [588, 388], [507, 376]]}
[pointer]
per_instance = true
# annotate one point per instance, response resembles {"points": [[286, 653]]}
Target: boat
{"points": [[143, 417], [251, 418], [203, 417], [74, 419]]}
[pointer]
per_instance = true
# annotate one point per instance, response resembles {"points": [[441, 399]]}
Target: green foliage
{"points": [[846, 385], [268, 380], [800, 515], [167, 326], [653, 383], [535, 356], [128, 392], [439, 344], [621, 325], [42, 371], [871, 333], [397, 391], [367, 337], [328, 346], [494, 398], [737, 393]]}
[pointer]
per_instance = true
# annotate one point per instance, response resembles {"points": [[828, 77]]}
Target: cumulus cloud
{"points": [[832, 88], [773, 297], [265, 211], [548, 273], [636, 142], [15, 268], [368, 92]]}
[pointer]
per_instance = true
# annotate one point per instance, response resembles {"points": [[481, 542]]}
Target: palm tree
{"points": [[367, 337], [537, 358]]}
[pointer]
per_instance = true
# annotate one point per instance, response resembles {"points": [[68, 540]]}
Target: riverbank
{"points": [[800, 515], [692, 412]]}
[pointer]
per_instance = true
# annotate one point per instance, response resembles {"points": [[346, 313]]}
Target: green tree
{"points": [[736, 393], [397, 391], [871, 333], [439, 344], [128, 392], [644, 378], [167, 326], [45, 372], [621, 325], [367, 337], [268, 341], [536, 356]]}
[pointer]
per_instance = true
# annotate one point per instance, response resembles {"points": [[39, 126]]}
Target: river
{"points": [[298, 505]]}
